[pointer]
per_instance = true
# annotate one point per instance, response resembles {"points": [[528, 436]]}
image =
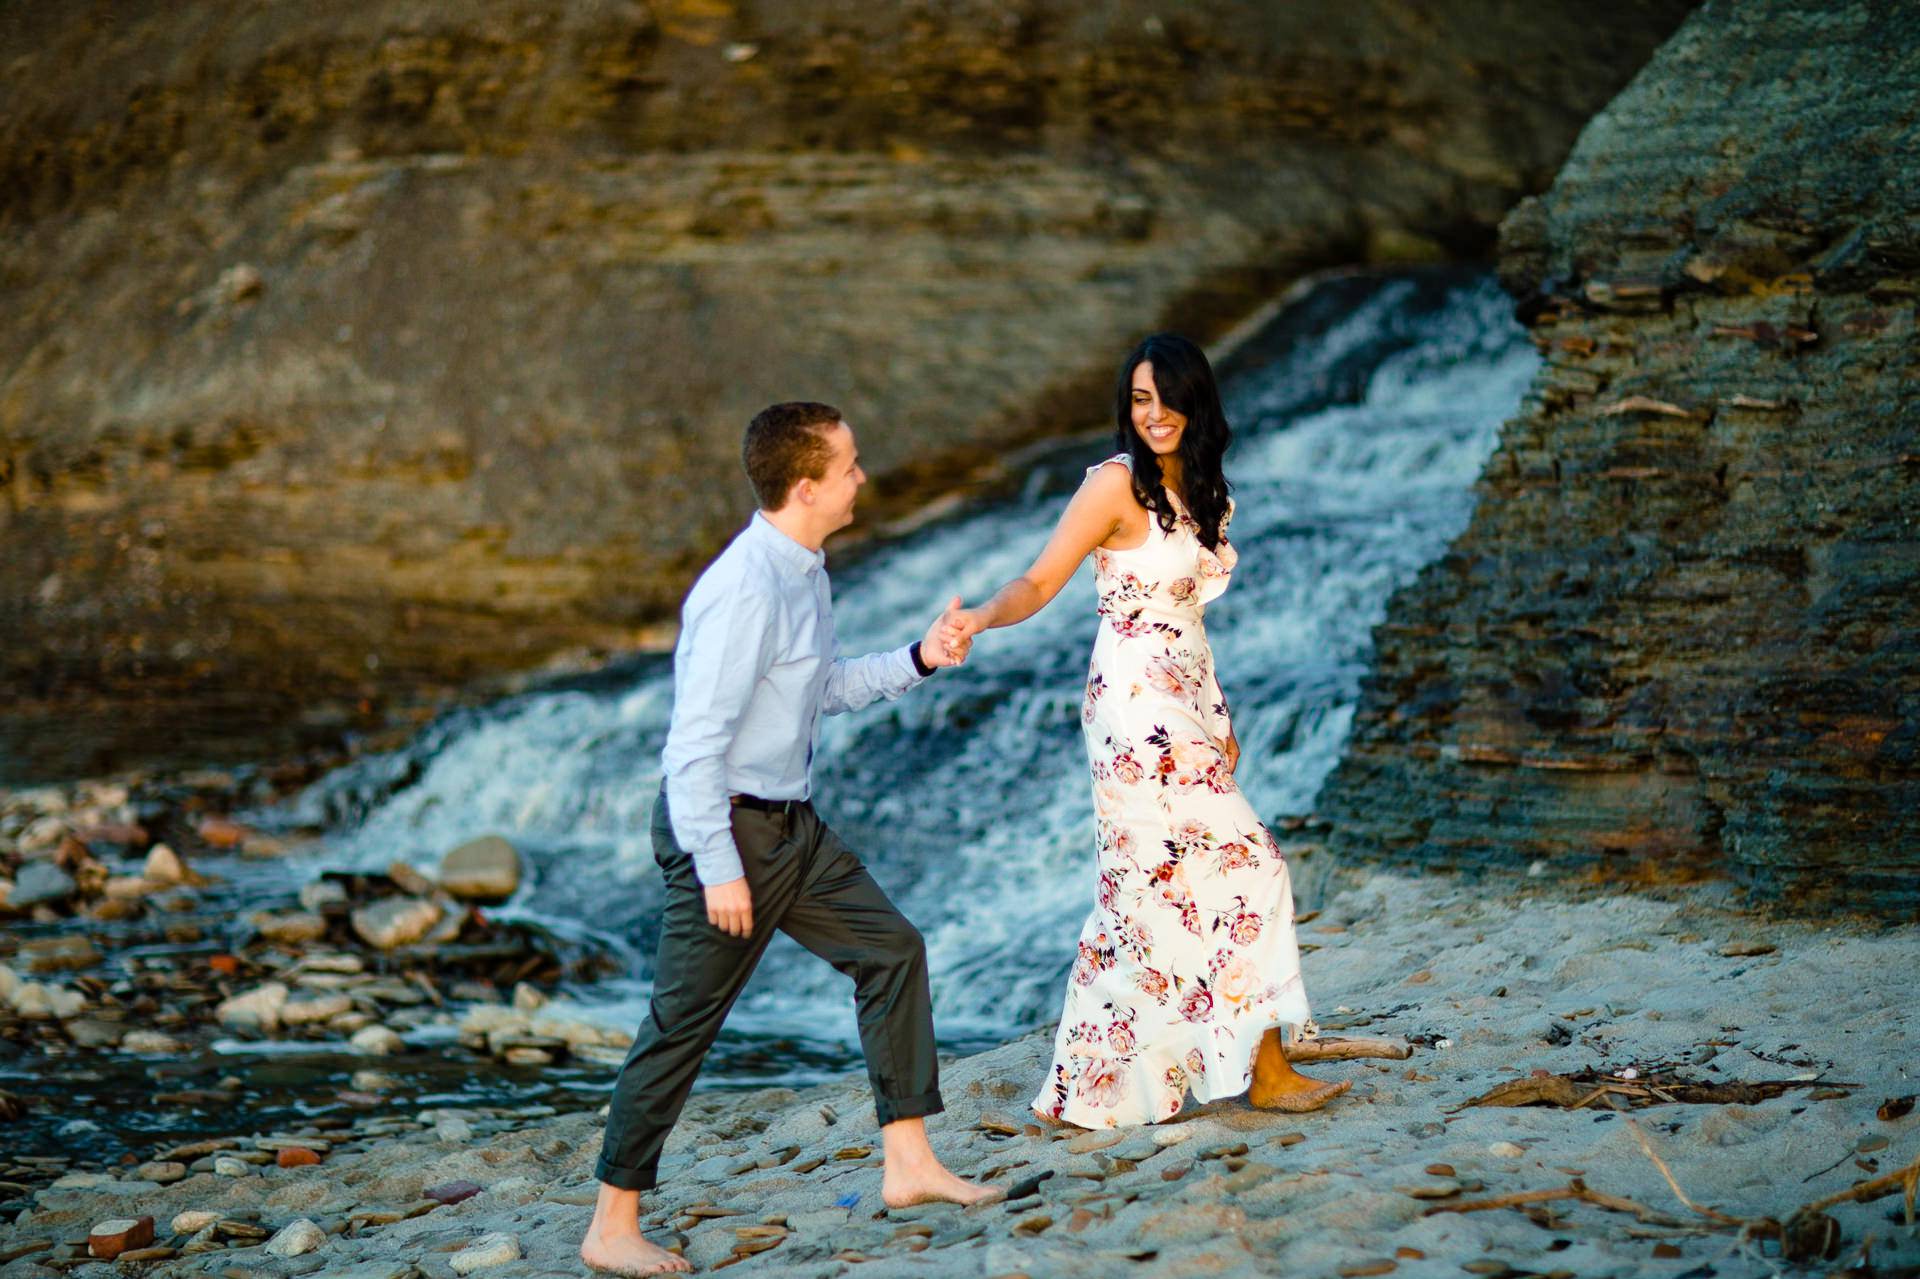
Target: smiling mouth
{"points": [[1163, 432]]}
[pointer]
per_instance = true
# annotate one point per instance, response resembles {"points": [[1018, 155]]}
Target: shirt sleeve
{"points": [[854, 682], [726, 645]]}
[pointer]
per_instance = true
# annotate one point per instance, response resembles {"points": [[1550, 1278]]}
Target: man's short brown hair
{"points": [[786, 443]]}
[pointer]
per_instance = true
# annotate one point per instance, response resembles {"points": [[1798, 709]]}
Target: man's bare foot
{"points": [[902, 1188], [631, 1255], [614, 1243], [915, 1175]]}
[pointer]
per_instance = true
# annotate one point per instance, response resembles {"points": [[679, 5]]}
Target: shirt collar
{"points": [[802, 559]]}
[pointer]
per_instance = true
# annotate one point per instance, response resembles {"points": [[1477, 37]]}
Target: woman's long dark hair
{"points": [[1185, 382]]}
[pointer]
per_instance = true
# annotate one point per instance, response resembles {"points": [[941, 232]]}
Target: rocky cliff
{"points": [[360, 348], [1682, 633]]}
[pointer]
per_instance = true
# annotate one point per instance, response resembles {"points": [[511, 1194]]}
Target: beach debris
{"points": [[1333, 1049], [1580, 1089], [1895, 1108], [1747, 949]]}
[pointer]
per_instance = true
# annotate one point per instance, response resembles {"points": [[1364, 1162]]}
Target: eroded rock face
{"points": [[1682, 633], [356, 349]]}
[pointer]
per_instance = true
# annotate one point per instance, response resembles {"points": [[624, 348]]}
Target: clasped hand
{"points": [[947, 642]]}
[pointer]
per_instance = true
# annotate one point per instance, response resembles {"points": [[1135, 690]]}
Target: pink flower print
{"points": [[1237, 856], [1183, 590], [1093, 961], [1245, 928], [1120, 1037], [1153, 983], [1108, 891], [1192, 763], [1100, 1083], [1197, 1003], [1191, 836], [1196, 1064], [1127, 770], [1169, 675], [1238, 981], [1127, 625], [1124, 842]]}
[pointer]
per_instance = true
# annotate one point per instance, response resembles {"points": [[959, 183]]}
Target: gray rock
{"points": [[322, 895], [296, 1237], [496, 1249], [485, 869], [91, 1032], [40, 881]]}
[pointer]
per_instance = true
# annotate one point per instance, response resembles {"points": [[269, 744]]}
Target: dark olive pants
{"points": [[809, 885]]}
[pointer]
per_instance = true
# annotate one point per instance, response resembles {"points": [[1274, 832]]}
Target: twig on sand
{"points": [[1712, 1214], [1907, 1179], [1575, 1189], [1347, 1049]]}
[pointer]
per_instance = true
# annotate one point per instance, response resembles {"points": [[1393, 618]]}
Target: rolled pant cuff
{"points": [[625, 1178], [890, 1109]]}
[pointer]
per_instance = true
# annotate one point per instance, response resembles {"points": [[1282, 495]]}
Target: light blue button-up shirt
{"points": [[752, 674]]}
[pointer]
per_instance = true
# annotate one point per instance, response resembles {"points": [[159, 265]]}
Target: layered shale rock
{"points": [[1681, 635], [354, 348]]}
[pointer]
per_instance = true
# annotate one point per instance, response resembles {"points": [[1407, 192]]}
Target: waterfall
{"points": [[1362, 416]]}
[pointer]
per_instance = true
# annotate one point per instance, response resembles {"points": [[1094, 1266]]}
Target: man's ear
{"points": [[803, 491]]}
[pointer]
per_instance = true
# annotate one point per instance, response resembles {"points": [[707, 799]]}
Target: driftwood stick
{"points": [[1347, 1049], [1577, 1190], [1711, 1214], [1907, 1179], [1514, 1200]]}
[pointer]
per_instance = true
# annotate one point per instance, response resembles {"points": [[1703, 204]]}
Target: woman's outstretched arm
{"points": [[1097, 511]]}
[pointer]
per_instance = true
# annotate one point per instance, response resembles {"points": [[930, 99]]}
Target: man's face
{"points": [[834, 492]]}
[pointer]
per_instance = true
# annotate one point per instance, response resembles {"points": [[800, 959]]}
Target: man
{"points": [[743, 853]]}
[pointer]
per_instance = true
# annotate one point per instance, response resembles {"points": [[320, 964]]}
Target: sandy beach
{"points": [[1490, 985]]}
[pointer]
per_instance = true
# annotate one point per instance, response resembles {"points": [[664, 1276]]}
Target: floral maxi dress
{"points": [[1189, 956]]}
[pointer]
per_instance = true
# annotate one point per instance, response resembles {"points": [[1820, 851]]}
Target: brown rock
{"points": [[218, 832], [109, 1239], [397, 921], [296, 1157], [452, 1192], [57, 954], [1665, 645], [485, 869], [408, 880], [963, 209]]}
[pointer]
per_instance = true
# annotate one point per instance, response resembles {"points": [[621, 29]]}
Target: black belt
{"points": [[786, 807]]}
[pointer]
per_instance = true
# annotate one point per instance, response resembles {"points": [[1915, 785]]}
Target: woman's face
{"points": [[1156, 422]]}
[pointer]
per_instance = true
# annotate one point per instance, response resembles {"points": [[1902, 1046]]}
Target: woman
{"points": [[1187, 966]]}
